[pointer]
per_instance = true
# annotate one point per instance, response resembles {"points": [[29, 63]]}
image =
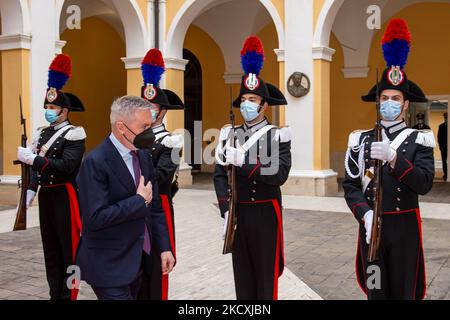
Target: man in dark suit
{"points": [[120, 206], [442, 141]]}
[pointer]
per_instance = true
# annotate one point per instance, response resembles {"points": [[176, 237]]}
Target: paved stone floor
{"points": [[321, 248], [319, 245]]}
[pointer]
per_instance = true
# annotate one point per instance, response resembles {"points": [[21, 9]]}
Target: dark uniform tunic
{"points": [[165, 156], [401, 258], [58, 206], [258, 257]]}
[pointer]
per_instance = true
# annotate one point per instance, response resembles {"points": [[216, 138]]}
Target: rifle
{"points": [[232, 190], [378, 179], [24, 182]]}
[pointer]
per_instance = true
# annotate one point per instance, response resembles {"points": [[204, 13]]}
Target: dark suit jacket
{"points": [[113, 217]]}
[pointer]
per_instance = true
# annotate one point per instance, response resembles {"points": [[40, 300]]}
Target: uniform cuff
{"points": [[359, 210], [223, 206]]}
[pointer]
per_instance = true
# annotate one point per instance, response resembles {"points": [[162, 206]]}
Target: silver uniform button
{"points": [[254, 191], [398, 209], [254, 182], [399, 189], [398, 199], [253, 199]]}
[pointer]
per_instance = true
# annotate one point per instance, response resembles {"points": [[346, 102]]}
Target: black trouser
{"points": [[152, 287], [401, 266], [254, 252], [54, 217], [444, 161]]}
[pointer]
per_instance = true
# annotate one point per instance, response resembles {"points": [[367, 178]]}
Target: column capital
{"points": [[280, 54], [17, 41], [355, 72], [323, 53], [59, 45], [132, 63], [176, 63]]}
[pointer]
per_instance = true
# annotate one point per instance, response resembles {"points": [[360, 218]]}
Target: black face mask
{"points": [[143, 140]]}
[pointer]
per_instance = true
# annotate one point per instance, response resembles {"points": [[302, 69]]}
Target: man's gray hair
{"points": [[124, 108]]}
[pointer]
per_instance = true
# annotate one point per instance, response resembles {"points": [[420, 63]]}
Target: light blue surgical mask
{"points": [[391, 110], [249, 110], [51, 115], [154, 114]]}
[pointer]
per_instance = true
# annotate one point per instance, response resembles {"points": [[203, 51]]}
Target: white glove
{"points": [[25, 155], [382, 150], [234, 156], [368, 221], [30, 197], [225, 224]]}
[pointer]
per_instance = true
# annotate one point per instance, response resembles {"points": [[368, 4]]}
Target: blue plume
{"points": [[252, 62], [56, 79], [152, 74], [396, 53]]}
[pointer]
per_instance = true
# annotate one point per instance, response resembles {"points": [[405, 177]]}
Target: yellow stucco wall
{"points": [[174, 82], [98, 77], [321, 114], [15, 81], [215, 94], [428, 65]]}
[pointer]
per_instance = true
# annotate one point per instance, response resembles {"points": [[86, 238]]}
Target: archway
{"points": [[203, 28], [128, 12], [99, 75]]}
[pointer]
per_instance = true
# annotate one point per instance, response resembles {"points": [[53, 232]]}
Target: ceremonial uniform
{"points": [[59, 149], [165, 154], [401, 252], [258, 255], [400, 257]]}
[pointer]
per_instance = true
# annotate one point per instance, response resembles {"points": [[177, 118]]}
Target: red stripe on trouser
{"points": [[280, 242], [419, 225], [76, 231], [165, 278], [75, 223]]}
